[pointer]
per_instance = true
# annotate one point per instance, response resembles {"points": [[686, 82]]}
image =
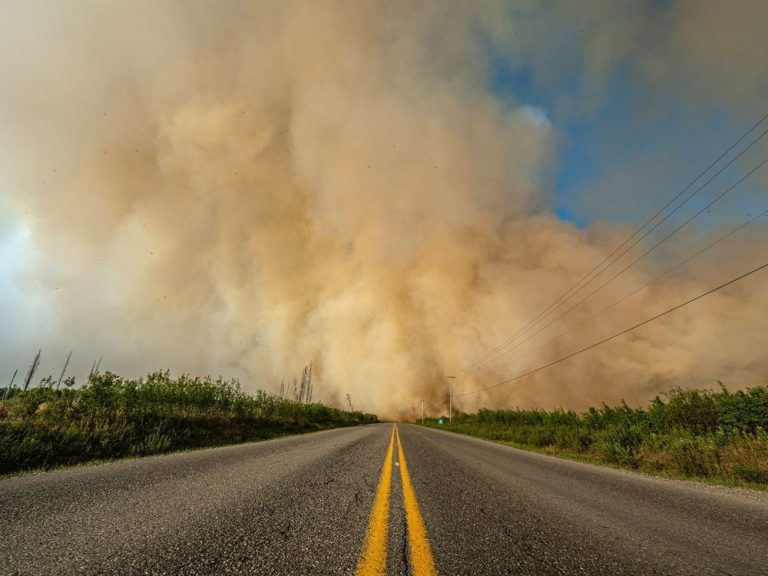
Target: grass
{"points": [[112, 417], [716, 436]]}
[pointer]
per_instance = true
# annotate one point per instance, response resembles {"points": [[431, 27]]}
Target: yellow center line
{"points": [[373, 559], [422, 561]]}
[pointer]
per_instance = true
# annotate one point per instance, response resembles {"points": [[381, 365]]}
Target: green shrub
{"points": [[696, 455], [113, 417], [619, 443], [695, 433]]}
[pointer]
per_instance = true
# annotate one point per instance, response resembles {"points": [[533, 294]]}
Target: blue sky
{"points": [[660, 144]]}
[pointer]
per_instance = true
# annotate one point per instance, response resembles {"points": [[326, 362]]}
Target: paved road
{"points": [[321, 504]]}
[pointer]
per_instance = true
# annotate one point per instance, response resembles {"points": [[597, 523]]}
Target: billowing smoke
{"points": [[243, 187]]}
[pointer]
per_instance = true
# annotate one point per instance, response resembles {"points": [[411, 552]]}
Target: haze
{"points": [[387, 189]]}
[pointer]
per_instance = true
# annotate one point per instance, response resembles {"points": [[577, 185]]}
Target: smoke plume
{"points": [[243, 187]]}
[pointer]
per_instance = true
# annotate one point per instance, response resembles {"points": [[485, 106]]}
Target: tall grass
{"points": [[691, 433], [114, 417]]}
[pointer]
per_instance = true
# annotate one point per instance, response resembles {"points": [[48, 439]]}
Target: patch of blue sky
{"points": [[682, 144], [510, 84], [515, 87], [565, 213], [625, 159]]}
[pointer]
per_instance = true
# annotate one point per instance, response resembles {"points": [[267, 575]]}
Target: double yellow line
{"points": [[373, 558]]}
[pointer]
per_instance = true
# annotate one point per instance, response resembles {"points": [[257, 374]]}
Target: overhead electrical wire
{"points": [[641, 288], [617, 334], [627, 267], [567, 296], [610, 260]]}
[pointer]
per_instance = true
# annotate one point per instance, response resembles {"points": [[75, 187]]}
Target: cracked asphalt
{"points": [[301, 505]]}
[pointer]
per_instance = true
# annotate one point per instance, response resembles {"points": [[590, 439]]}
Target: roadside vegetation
{"points": [[112, 417], [703, 434]]}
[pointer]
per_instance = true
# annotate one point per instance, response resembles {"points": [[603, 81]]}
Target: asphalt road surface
{"points": [[367, 500]]}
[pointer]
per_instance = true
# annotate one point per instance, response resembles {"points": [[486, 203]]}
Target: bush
{"points": [[619, 443], [114, 417], [697, 456], [694, 433]]}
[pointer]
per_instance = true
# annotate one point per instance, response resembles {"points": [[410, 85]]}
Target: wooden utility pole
{"points": [[95, 368], [32, 369], [309, 383], [303, 390], [63, 370], [8, 390]]}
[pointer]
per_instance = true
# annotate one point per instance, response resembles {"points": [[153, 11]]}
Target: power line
{"points": [[648, 232], [623, 270], [617, 334], [600, 266], [633, 244], [643, 287], [635, 261]]}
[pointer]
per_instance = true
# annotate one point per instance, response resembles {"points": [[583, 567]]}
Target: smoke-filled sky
{"points": [[388, 189]]}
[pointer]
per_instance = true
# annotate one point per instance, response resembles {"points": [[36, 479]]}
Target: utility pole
{"points": [[422, 411], [63, 370], [95, 368], [303, 389], [450, 397], [32, 370], [8, 390]]}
